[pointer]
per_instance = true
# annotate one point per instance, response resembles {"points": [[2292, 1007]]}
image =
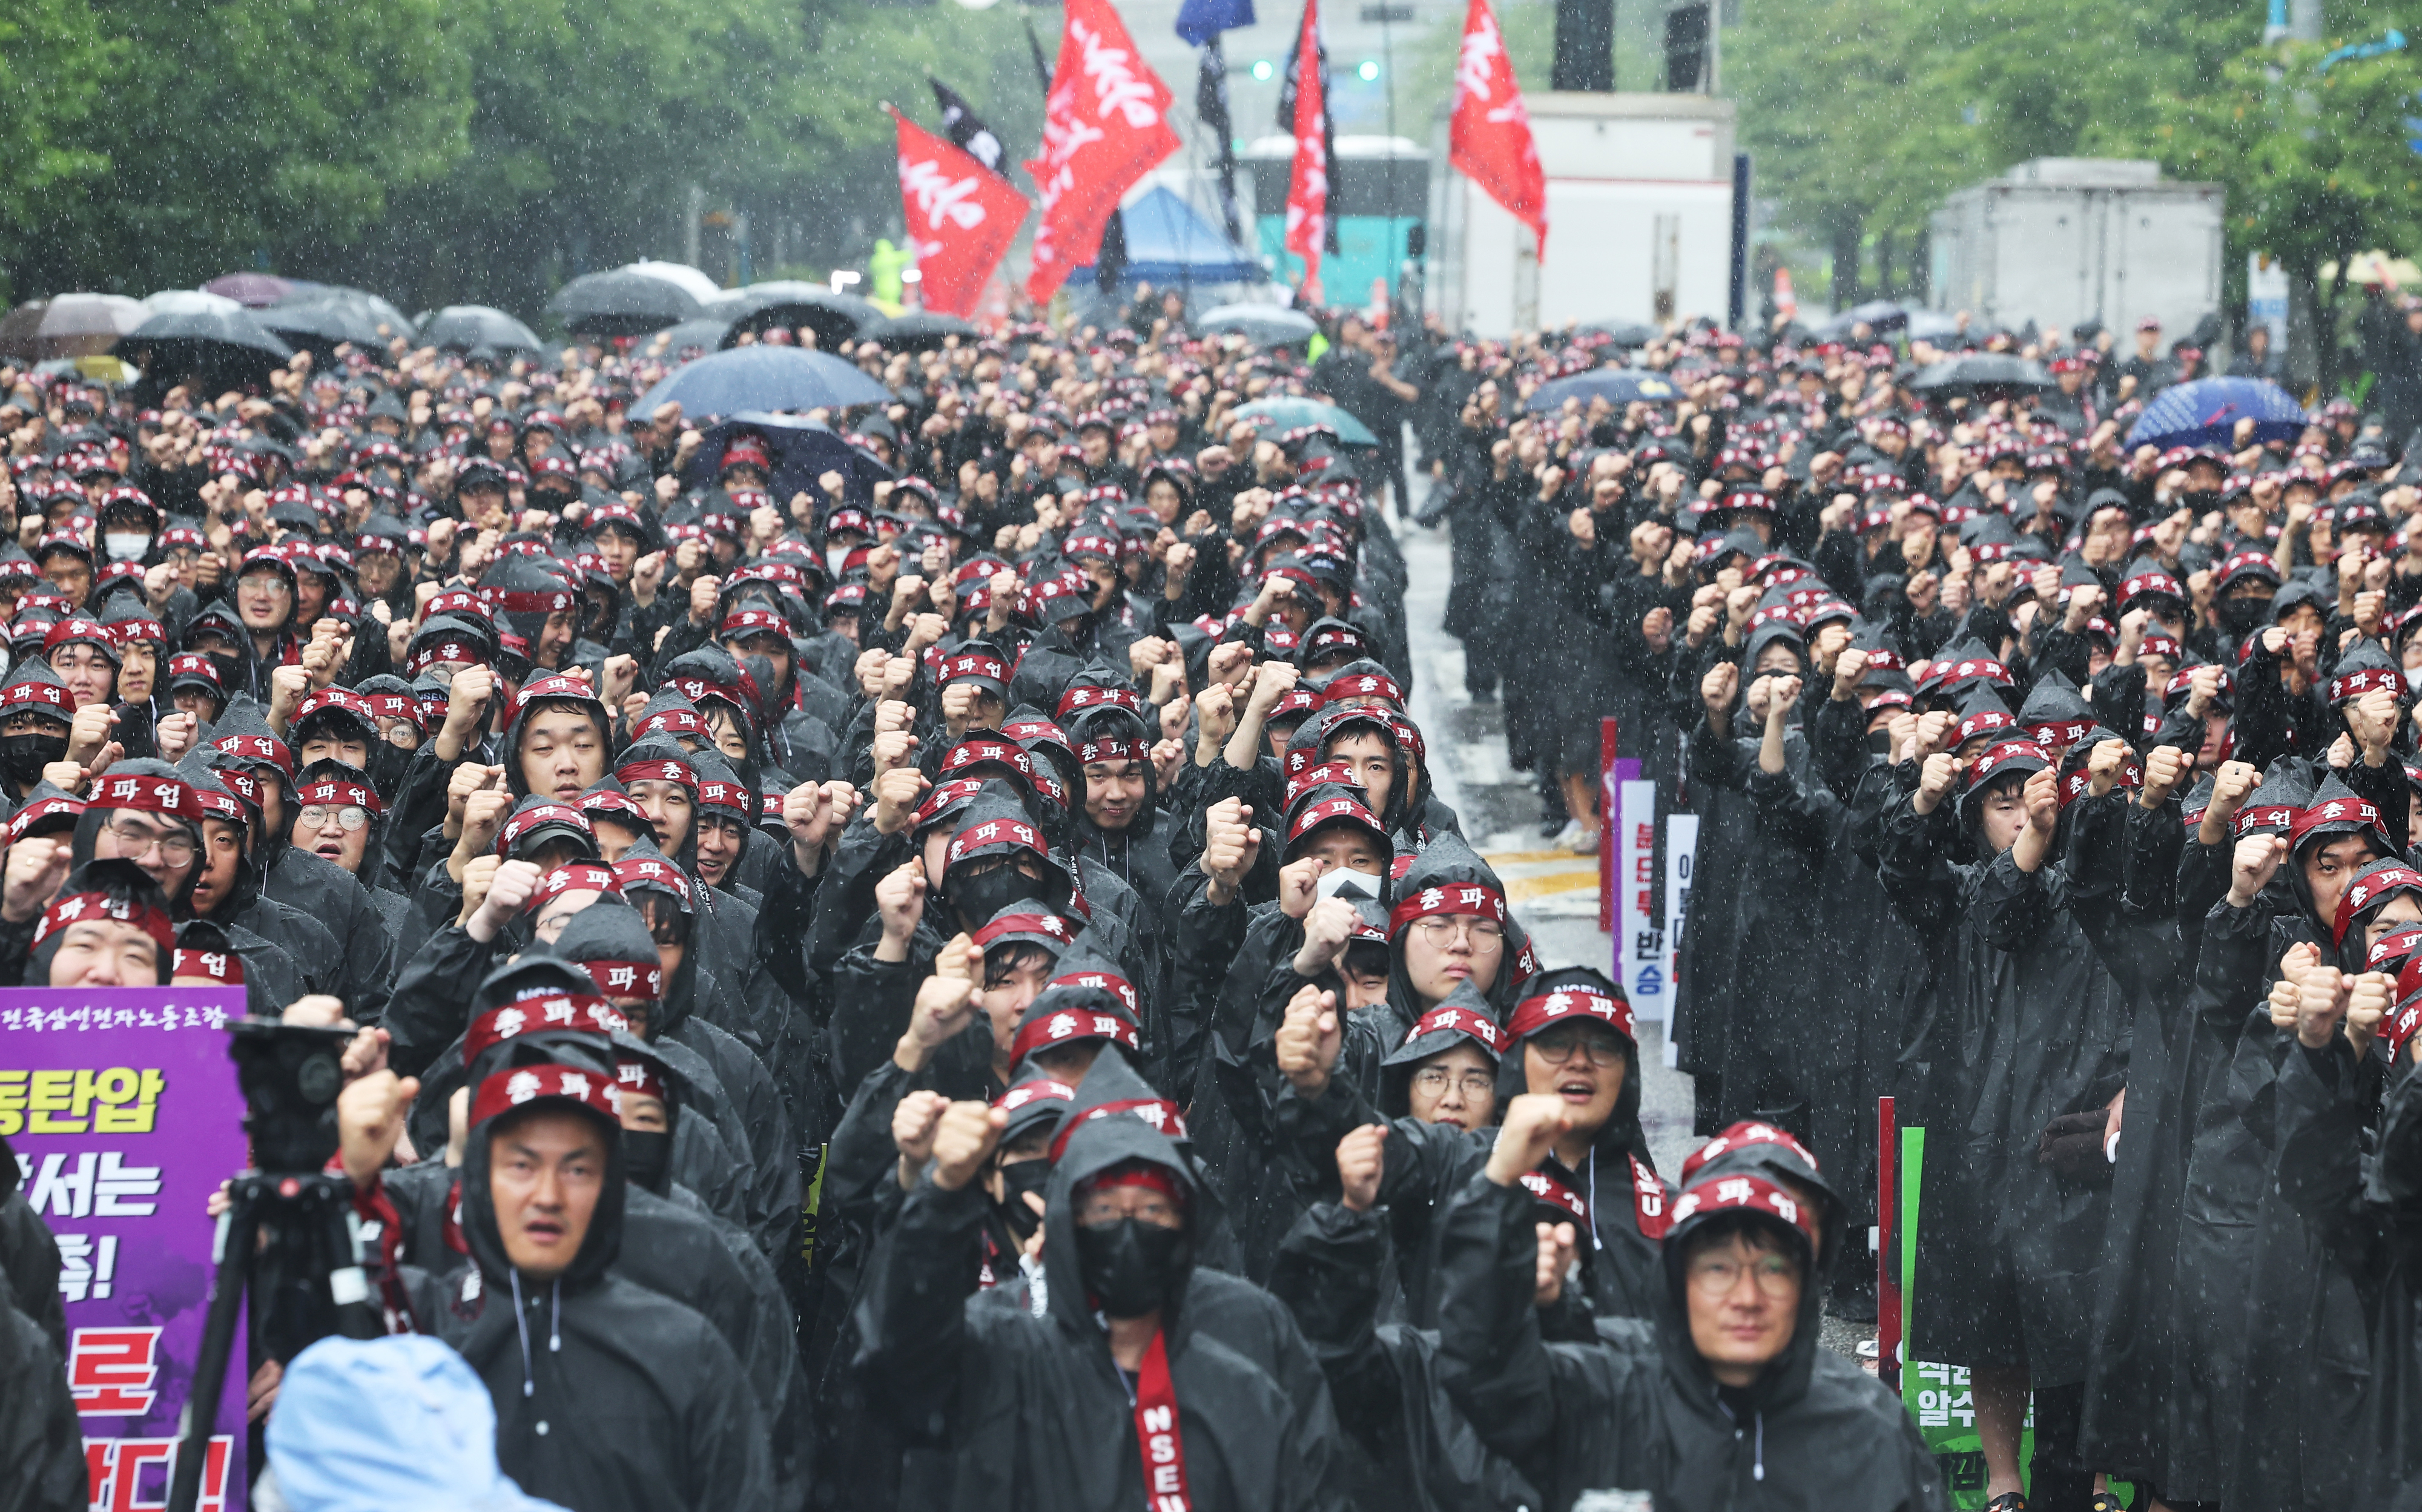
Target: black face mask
{"points": [[2240, 616], [1132, 1267], [25, 756], [978, 899], [1879, 741], [647, 1156], [1016, 1180], [389, 762]]}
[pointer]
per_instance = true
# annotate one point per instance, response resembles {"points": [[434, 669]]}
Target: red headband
{"points": [[1034, 923], [2370, 890], [1455, 898], [355, 794], [1535, 1014], [658, 771], [1548, 1189], [2366, 680], [1067, 1025], [1362, 686], [668, 722], [974, 664], [33, 814], [167, 796], [223, 966], [570, 1013], [83, 907], [1041, 1089], [721, 794], [634, 870], [509, 1090], [259, 749], [530, 819], [1462, 1021], [1098, 698], [627, 979], [580, 876], [990, 833], [637, 1079], [1747, 1193]]}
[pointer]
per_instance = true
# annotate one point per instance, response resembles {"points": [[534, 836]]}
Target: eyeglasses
{"points": [[275, 586], [1715, 1275], [1557, 1046], [349, 817], [1483, 935], [1432, 1080], [136, 842]]}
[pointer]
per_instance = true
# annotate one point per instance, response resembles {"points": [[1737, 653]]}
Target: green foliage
{"points": [[444, 150], [1862, 115]]}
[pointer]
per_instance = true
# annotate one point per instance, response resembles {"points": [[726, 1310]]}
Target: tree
{"points": [[2315, 161]]}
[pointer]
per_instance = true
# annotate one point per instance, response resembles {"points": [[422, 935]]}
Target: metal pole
{"points": [[1737, 306], [1610, 793], [1887, 1240]]}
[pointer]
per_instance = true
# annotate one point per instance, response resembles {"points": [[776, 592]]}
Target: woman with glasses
{"points": [[1569, 1038], [1732, 1401]]}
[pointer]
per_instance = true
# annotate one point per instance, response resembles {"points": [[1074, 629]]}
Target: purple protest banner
{"points": [[122, 1107]]}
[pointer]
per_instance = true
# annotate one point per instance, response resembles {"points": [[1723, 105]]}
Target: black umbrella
{"points": [[1980, 370], [1616, 385], [1623, 333], [464, 326], [834, 318], [918, 331], [321, 324], [217, 350], [1877, 315], [621, 302]]}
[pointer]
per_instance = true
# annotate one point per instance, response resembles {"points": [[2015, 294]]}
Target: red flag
{"points": [[1488, 139], [1105, 123], [1307, 205], [960, 217]]}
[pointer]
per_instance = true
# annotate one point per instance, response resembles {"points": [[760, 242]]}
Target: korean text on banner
{"points": [[1640, 932], [124, 1112]]}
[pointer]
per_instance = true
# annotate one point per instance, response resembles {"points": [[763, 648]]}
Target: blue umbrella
{"points": [[1616, 385], [764, 378], [802, 451], [1294, 414], [2206, 412]]}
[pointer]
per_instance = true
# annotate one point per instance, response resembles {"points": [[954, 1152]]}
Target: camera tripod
{"points": [[306, 1282]]}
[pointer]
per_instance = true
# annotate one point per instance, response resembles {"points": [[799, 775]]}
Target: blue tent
{"points": [[1169, 245]]}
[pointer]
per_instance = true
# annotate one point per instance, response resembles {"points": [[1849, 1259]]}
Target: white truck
{"points": [[1639, 204], [2058, 241]]}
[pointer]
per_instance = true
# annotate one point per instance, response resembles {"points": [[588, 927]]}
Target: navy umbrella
{"points": [[764, 378], [2206, 412], [803, 451], [1616, 385]]}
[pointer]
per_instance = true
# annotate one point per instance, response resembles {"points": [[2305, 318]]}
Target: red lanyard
{"points": [[1156, 1435]]}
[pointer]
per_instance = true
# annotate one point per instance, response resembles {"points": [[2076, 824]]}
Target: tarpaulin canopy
{"points": [[1168, 243]]}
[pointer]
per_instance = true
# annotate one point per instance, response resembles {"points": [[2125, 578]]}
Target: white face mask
{"points": [[125, 545], [1347, 883], [834, 556], [2414, 678]]}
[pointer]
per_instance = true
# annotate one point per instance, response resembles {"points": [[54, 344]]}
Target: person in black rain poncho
{"points": [[1143, 1376], [609, 1397], [1733, 1402], [1570, 1036], [2033, 1029]]}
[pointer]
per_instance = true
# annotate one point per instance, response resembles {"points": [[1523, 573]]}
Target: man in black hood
{"points": [[1735, 1404], [1216, 1401], [609, 1397], [36, 714]]}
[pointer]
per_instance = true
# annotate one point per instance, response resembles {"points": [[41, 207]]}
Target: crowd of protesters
{"points": [[957, 987]]}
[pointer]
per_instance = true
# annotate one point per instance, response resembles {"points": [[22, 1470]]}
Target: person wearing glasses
{"points": [[1569, 1039], [1730, 1400]]}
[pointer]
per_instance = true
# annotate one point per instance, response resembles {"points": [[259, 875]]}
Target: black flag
{"points": [[966, 130], [1211, 109], [1111, 263]]}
